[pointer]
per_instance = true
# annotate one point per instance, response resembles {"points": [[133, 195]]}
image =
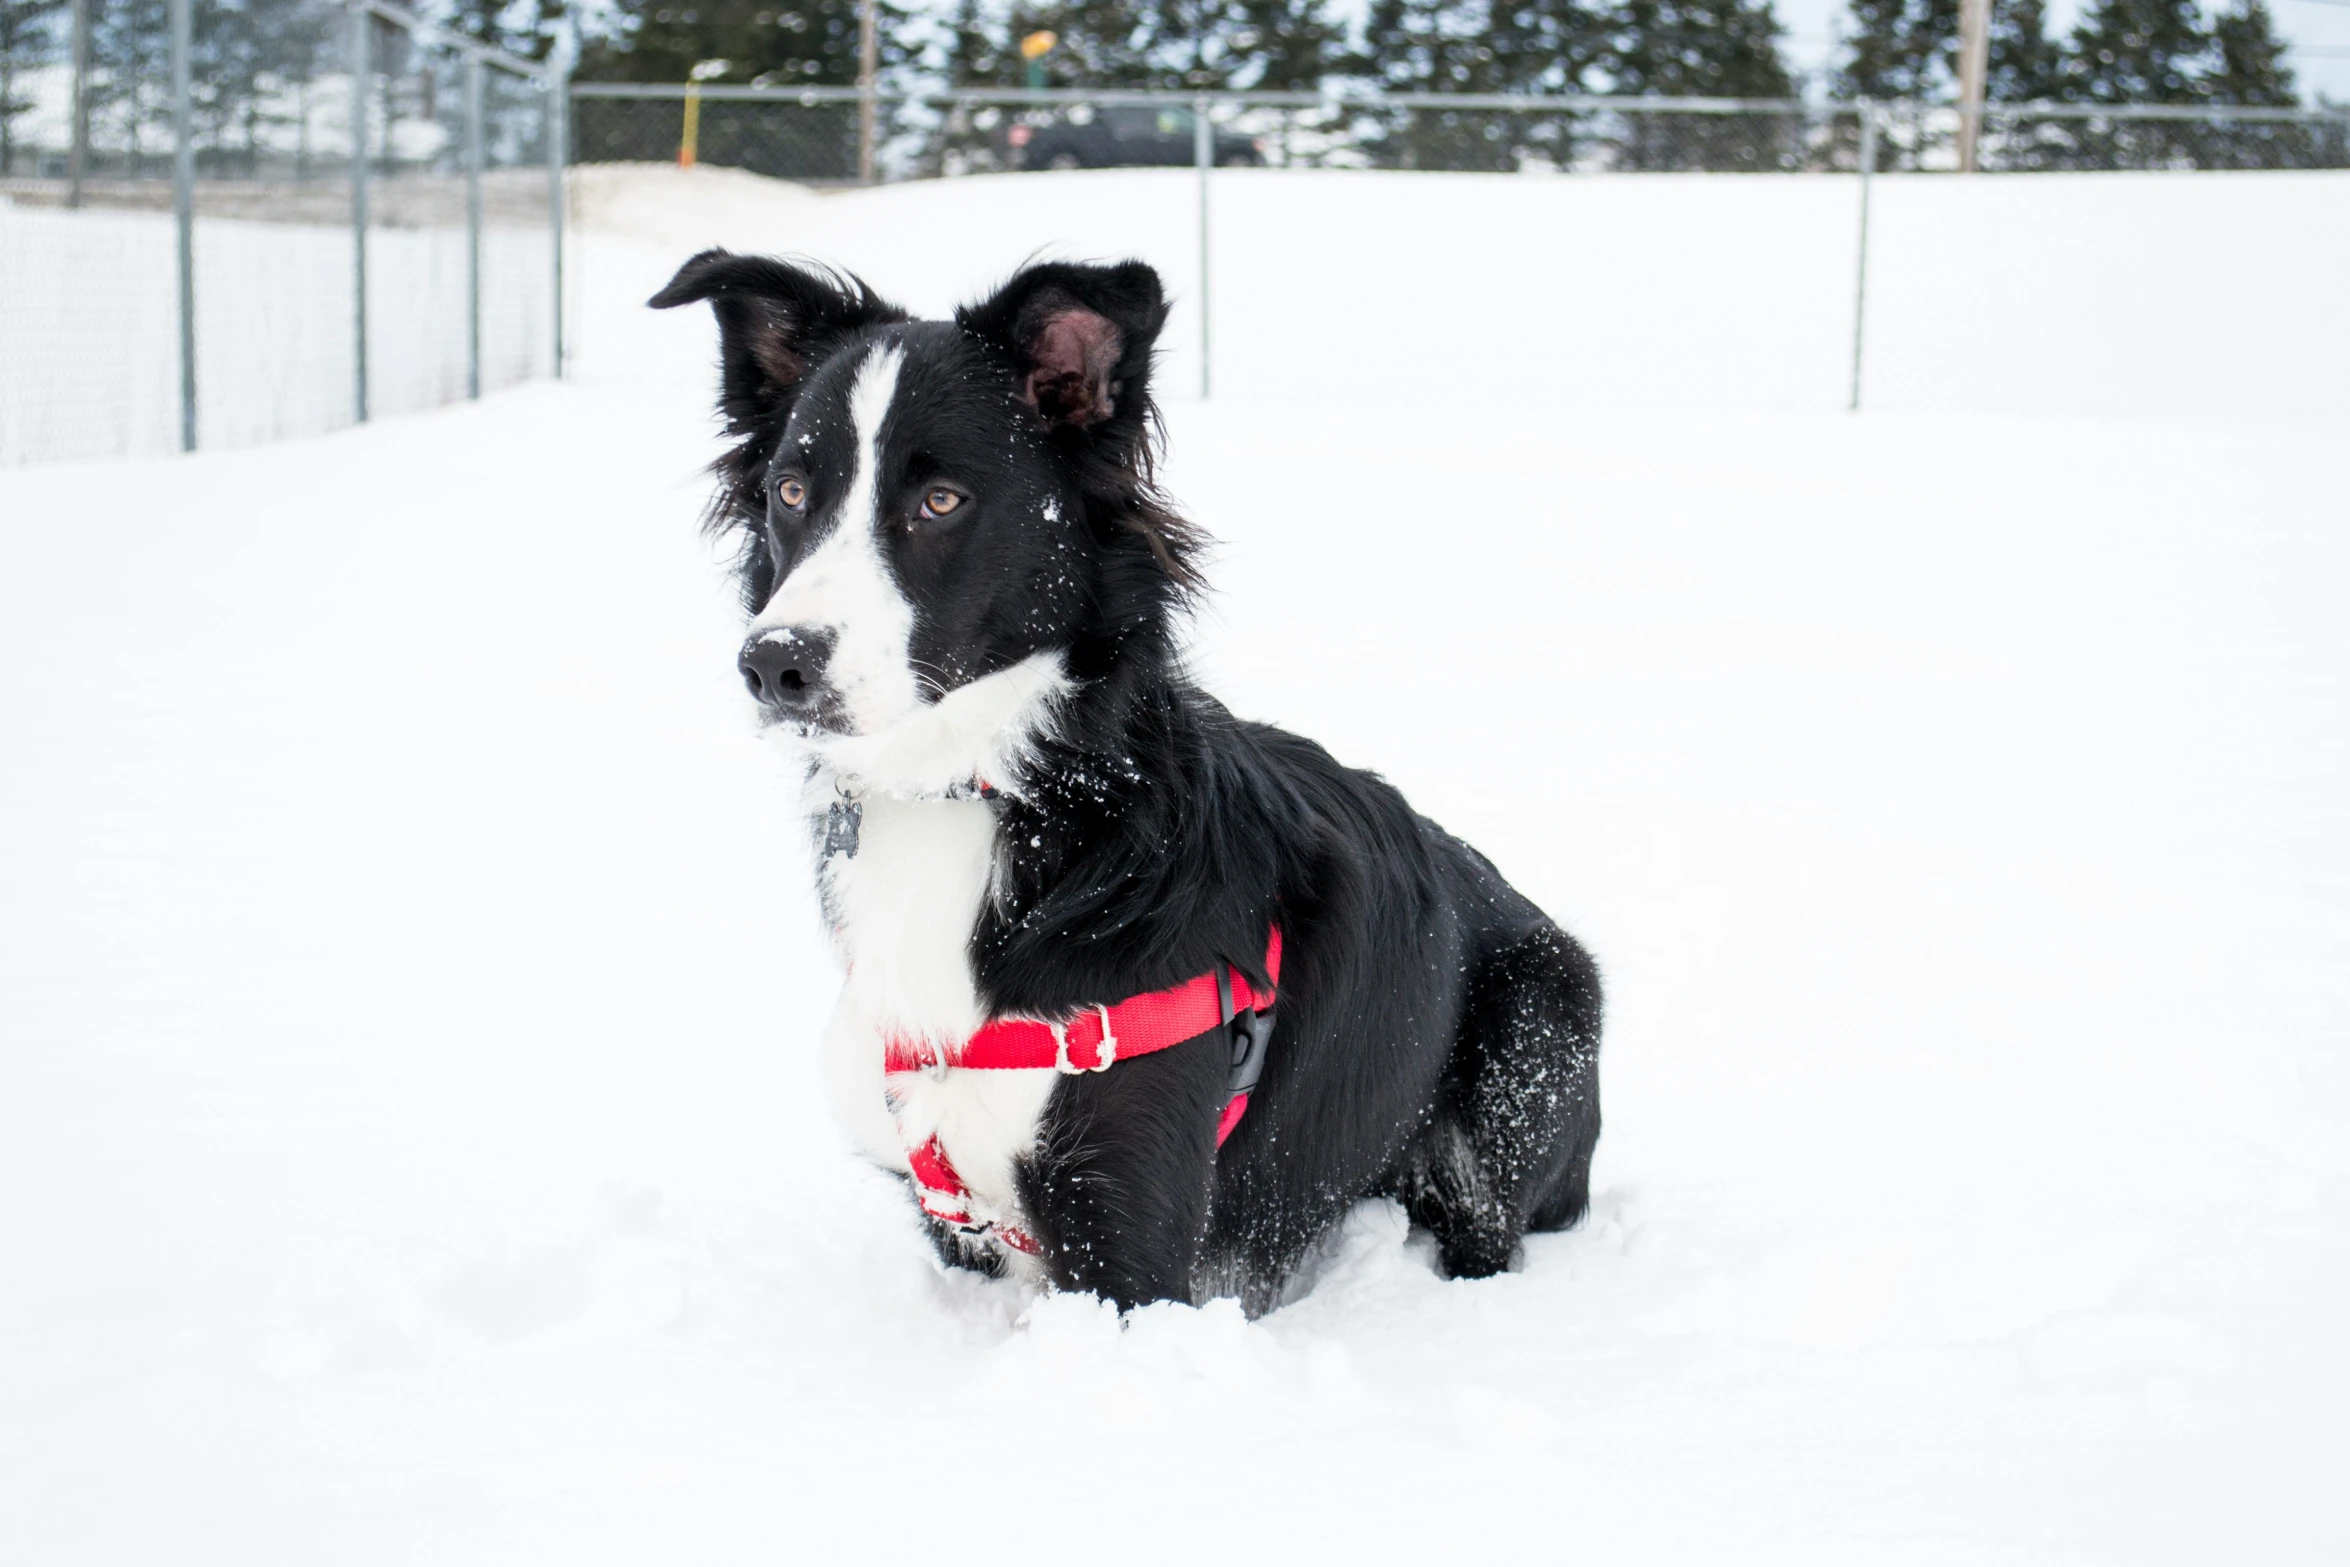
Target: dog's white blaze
{"points": [[903, 909], [845, 587]]}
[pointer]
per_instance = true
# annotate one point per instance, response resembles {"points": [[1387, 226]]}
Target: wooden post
{"points": [[1974, 68], [868, 70]]}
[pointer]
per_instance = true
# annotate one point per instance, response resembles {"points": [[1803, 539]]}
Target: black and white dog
{"points": [[1088, 917]]}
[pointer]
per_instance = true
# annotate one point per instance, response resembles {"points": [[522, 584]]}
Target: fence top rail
{"points": [[1511, 103], [2139, 111], [1520, 103], [1508, 102], [539, 71]]}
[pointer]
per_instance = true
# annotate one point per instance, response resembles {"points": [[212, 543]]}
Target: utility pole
{"points": [[1974, 66], [77, 156], [868, 68]]}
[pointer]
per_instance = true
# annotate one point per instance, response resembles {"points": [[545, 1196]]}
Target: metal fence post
{"points": [[1860, 277], [473, 73], [183, 209], [1203, 154], [558, 154], [359, 75]]}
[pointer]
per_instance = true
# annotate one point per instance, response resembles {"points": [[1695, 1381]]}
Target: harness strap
{"points": [[1093, 1041], [1101, 1036]]}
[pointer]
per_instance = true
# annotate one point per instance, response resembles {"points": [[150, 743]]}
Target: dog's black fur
{"points": [[1436, 1037]]}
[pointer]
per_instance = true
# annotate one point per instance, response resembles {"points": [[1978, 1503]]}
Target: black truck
{"points": [[1123, 136]]}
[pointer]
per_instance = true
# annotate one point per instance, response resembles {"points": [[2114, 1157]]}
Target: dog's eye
{"points": [[793, 493], [939, 500]]}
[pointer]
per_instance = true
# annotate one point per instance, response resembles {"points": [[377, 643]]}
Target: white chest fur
{"points": [[904, 907]]}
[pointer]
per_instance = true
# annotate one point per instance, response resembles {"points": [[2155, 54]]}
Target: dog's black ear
{"points": [[1080, 340], [774, 320], [1081, 336]]}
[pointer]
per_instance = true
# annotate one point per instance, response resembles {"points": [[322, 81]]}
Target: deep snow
{"points": [[410, 1150]]}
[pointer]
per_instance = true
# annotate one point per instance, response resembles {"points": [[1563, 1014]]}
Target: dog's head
{"points": [[945, 523]]}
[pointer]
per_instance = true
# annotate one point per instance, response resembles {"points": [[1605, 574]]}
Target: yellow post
{"points": [[1033, 49], [703, 71]]}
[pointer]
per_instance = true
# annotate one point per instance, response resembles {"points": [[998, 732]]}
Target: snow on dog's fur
{"points": [[966, 593]]}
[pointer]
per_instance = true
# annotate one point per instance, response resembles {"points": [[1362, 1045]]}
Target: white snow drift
{"points": [[410, 1145]]}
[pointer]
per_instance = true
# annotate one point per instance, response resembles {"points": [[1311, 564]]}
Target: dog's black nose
{"points": [[785, 667]]}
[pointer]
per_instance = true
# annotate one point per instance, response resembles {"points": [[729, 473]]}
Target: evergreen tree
{"points": [[2027, 66], [769, 43], [1697, 48], [1275, 45], [1701, 48], [1285, 45], [1433, 46], [1900, 49], [775, 42], [483, 21], [130, 76], [1101, 43], [28, 41], [2251, 70], [1187, 43], [245, 55], [2140, 51], [976, 54], [1484, 46], [527, 28]]}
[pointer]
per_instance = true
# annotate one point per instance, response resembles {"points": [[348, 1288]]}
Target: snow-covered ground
{"points": [[408, 1140], [2067, 294]]}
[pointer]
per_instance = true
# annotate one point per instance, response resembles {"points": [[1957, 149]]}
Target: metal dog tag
{"points": [[842, 823]]}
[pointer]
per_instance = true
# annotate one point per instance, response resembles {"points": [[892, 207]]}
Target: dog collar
{"points": [[1095, 1040], [844, 818]]}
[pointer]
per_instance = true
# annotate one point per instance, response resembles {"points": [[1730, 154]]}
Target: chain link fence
{"points": [[811, 135], [347, 212], [339, 213]]}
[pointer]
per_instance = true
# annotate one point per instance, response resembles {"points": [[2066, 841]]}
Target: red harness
{"points": [[1093, 1041]]}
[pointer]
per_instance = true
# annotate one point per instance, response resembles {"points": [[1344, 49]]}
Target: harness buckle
{"points": [[1250, 1033], [1105, 1053]]}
